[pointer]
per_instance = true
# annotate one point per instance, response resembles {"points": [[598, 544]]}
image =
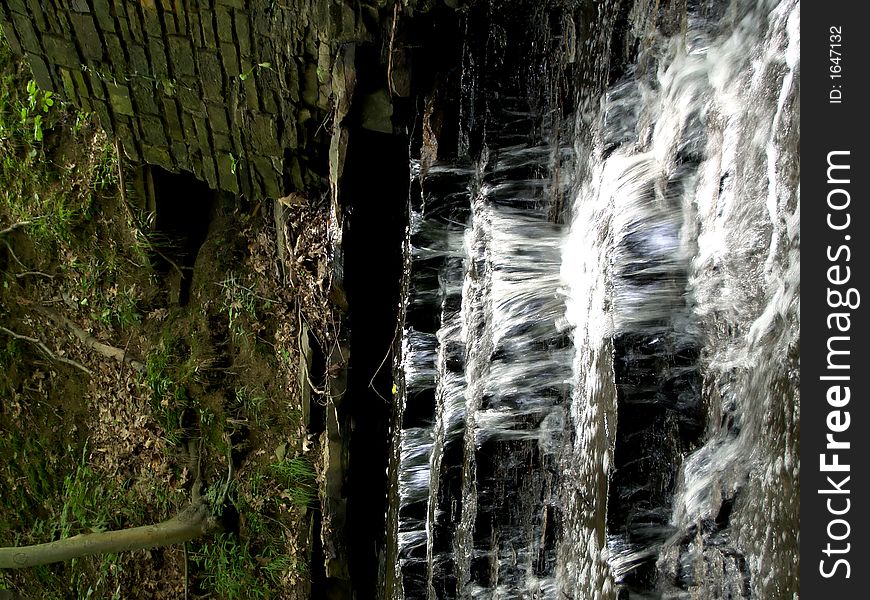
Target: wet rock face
{"points": [[235, 92]]}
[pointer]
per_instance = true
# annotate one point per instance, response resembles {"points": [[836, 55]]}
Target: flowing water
{"points": [[597, 390]]}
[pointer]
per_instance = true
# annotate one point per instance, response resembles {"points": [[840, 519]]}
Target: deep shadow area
{"points": [[375, 185], [184, 207]]}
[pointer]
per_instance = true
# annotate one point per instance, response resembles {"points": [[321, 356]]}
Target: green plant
{"points": [[249, 72], [282, 564], [215, 499], [85, 495], [110, 305], [125, 309], [104, 173], [37, 102], [206, 417], [229, 570], [83, 118], [252, 404], [296, 476], [240, 303], [167, 377], [110, 571]]}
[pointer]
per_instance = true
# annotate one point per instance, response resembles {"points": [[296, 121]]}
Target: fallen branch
{"points": [[46, 350], [91, 342], [190, 523]]}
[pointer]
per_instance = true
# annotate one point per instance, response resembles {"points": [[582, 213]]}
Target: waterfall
{"points": [[598, 398]]}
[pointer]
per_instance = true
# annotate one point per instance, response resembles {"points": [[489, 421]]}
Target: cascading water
{"points": [[599, 398]]}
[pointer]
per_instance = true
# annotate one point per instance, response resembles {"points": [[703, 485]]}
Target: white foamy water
{"points": [[613, 402]]}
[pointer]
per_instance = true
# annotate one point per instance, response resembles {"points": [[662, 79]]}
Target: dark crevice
{"points": [[317, 568], [184, 208], [375, 190]]}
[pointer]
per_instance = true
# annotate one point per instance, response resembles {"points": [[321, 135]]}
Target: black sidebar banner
{"points": [[835, 371]]}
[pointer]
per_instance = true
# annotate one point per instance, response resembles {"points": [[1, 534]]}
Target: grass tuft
{"points": [[230, 570], [296, 477]]}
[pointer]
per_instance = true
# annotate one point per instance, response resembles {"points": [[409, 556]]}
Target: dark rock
{"points": [[11, 37], [211, 75], [173, 121], [40, 72], [226, 168], [230, 57], [181, 53], [377, 112], [138, 60], [65, 51], [159, 62], [119, 98], [144, 97], [224, 24], [152, 131], [157, 156]]}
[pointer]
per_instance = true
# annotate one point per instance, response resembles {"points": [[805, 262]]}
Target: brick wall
{"points": [[236, 92]]}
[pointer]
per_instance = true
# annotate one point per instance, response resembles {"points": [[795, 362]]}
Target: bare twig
{"points": [[303, 360], [34, 273], [381, 366], [229, 480], [15, 256], [392, 41], [46, 350], [91, 342], [190, 523], [186, 583], [239, 286], [122, 187], [15, 226], [154, 249]]}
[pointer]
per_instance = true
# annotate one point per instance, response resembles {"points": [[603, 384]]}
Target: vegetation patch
{"points": [[121, 405]]}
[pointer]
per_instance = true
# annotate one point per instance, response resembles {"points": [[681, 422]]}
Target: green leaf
{"points": [[37, 128]]}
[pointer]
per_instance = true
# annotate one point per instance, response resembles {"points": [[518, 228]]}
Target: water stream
{"points": [[597, 392]]}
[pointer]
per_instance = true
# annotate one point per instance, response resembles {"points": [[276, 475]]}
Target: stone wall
{"points": [[237, 92]]}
